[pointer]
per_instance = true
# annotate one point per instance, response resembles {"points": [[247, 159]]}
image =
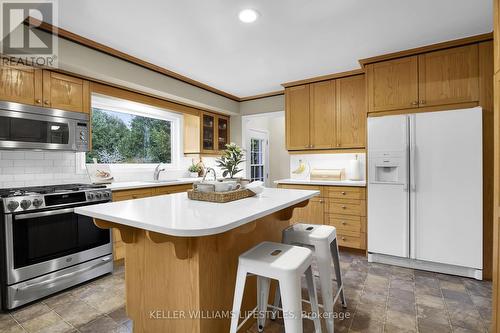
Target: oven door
{"points": [[34, 131], [43, 242]]}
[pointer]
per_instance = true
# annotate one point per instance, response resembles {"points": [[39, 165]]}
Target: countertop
{"points": [[176, 215], [359, 183], [118, 186]]}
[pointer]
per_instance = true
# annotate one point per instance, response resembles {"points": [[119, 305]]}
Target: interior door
{"points": [[447, 193], [258, 160], [388, 199]]}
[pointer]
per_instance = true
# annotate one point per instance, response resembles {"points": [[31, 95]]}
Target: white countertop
{"points": [[118, 186], [359, 183], [176, 215]]}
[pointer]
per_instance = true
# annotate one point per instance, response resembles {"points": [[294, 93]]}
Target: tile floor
{"points": [[380, 298]]}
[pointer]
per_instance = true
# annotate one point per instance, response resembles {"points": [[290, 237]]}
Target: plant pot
{"points": [[193, 174]]}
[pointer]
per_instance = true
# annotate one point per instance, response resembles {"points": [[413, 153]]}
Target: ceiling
{"points": [[292, 40]]}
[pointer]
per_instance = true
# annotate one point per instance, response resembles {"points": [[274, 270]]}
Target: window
{"points": [[257, 159], [130, 134]]}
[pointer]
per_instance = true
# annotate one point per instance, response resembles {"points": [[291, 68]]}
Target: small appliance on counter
{"points": [[47, 246]]}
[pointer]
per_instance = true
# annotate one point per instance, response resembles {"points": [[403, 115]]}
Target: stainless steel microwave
{"points": [[32, 127]]}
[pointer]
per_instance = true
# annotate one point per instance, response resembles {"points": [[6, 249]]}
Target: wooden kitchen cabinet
{"points": [[322, 116], [343, 207], [21, 84], [351, 112], [297, 114], [214, 133], [449, 76], [65, 92], [33, 86], [393, 84]]}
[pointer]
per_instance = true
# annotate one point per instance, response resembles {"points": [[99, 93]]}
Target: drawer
{"points": [[351, 223], [132, 194], [342, 192], [301, 187], [351, 240], [347, 207]]}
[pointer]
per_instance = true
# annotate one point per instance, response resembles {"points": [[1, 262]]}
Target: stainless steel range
{"points": [[45, 246]]}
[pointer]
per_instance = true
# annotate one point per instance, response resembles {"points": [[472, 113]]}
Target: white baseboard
{"points": [[426, 265]]}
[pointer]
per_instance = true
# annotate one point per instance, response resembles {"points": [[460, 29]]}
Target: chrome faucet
{"points": [[206, 173], [156, 175]]}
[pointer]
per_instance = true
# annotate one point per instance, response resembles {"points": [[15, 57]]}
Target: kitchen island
{"points": [[182, 255]]}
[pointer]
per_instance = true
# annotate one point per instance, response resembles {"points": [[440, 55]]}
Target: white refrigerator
{"points": [[425, 205]]}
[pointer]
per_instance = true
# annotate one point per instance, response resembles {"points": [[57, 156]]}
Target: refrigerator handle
{"points": [[413, 154], [407, 152], [413, 189]]}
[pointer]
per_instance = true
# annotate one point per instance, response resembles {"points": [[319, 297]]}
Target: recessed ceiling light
{"points": [[248, 15]]}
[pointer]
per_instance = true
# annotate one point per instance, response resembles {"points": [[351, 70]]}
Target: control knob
{"points": [[12, 205], [37, 202], [25, 204], [98, 195], [90, 196]]}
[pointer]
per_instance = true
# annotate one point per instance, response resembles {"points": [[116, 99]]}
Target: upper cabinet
{"points": [[28, 85], [328, 114], [449, 76], [21, 84], [297, 116], [65, 92], [214, 133], [393, 84], [351, 112]]}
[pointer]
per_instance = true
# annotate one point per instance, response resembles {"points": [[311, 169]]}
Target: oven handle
{"points": [[46, 213], [64, 276]]}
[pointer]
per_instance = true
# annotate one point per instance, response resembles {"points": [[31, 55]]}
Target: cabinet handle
{"points": [[38, 101], [422, 102], [414, 103], [343, 193], [343, 223], [134, 197], [338, 144], [344, 207], [343, 238], [321, 200], [46, 102]]}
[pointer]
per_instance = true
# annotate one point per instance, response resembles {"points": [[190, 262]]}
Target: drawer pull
{"points": [[344, 207], [343, 238], [343, 193], [343, 223]]}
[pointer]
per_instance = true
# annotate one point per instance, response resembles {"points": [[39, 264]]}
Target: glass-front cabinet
{"points": [[214, 133]]}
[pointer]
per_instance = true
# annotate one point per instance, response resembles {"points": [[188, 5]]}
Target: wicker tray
{"points": [[220, 197]]}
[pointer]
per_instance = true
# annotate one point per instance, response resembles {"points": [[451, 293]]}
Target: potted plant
{"points": [[194, 170], [230, 159]]}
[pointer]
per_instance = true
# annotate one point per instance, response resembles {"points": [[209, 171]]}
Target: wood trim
{"points": [[266, 95], [324, 78], [329, 151], [446, 107], [107, 90], [428, 48], [68, 35]]}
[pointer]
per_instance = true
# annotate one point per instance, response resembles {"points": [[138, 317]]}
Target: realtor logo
{"points": [[21, 36]]}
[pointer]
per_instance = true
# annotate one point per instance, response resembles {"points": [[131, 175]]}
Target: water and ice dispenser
{"points": [[388, 168]]}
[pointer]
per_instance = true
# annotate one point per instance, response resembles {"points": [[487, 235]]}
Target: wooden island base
{"points": [[185, 284]]}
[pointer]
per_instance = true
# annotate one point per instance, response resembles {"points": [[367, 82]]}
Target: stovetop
{"points": [[49, 189]]}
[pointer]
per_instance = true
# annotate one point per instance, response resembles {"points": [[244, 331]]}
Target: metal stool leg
{"points": [[276, 303], [313, 298], [336, 261], [263, 285]]}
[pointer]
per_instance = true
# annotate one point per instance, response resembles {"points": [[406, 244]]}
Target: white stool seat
{"points": [[323, 241], [274, 259], [285, 263]]}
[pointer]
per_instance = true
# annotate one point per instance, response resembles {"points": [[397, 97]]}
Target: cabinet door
{"points": [[449, 76], [393, 84], [313, 213], [297, 117], [322, 118], [208, 132], [351, 112], [222, 132], [65, 92], [21, 84]]}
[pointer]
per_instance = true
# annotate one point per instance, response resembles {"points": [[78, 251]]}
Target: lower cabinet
{"points": [[343, 207], [118, 246]]}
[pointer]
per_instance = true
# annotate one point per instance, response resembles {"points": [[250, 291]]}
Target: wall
{"points": [[326, 161]]}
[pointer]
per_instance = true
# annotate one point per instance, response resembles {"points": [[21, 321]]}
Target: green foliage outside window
{"points": [[126, 138]]}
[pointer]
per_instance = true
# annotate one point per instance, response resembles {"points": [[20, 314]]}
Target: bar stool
{"points": [[323, 240], [282, 262]]}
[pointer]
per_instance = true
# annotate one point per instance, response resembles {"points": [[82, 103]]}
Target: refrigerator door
{"points": [[388, 202], [447, 207]]}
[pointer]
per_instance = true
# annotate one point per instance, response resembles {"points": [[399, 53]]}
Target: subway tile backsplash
{"points": [[32, 168]]}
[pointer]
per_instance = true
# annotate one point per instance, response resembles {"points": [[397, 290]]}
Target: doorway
{"points": [[257, 147]]}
